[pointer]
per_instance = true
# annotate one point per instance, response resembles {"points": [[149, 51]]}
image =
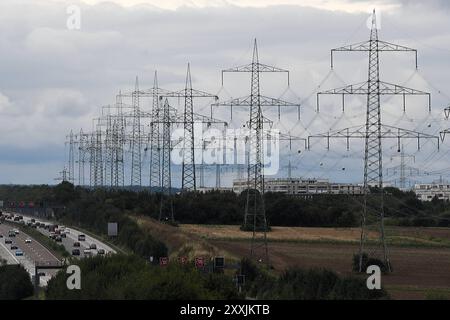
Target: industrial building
{"points": [[426, 192], [300, 186]]}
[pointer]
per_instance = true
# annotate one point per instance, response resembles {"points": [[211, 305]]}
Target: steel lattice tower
{"points": [[91, 150], [71, 175], [98, 176], [166, 206], [188, 167], [81, 157], [373, 159], [108, 151], [118, 132], [189, 117], [402, 168], [255, 213], [155, 148], [136, 169], [374, 130]]}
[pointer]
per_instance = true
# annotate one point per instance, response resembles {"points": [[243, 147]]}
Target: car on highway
{"points": [[58, 239], [19, 253], [76, 244], [76, 252], [14, 247], [27, 240], [8, 241], [87, 252], [101, 251], [93, 246], [1, 236], [11, 234], [16, 231], [81, 237], [63, 235]]}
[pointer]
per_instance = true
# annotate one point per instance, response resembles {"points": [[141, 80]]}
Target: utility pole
{"points": [[188, 166], [82, 146], [374, 130], [255, 212], [136, 168], [402, 168], [155, 148], [71, 171], [166, 205]]}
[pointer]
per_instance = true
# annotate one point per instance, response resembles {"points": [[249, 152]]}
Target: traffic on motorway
{"points": [[16, 247], [74, 241]]}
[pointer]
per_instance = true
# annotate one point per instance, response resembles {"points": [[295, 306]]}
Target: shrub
{"points": [[369, 261], [15, 283]]}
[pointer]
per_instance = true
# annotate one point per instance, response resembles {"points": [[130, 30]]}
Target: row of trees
{"points": [[94, 206]]}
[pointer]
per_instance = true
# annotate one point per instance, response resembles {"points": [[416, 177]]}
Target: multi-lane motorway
{"points": [[35, 253]]}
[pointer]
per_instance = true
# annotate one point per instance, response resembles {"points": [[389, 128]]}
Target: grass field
{"points": [[420, 256]]}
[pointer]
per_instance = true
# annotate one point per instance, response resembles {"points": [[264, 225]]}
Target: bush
{"points": [[369, 261], [15, 283], [130, 277], [300, 284]]}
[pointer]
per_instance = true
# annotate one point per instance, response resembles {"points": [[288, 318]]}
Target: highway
{"points": [[33, 252], [72, 237]]}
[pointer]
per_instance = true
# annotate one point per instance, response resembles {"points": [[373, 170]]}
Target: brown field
{"points": [[278, 233], [420, 272]]}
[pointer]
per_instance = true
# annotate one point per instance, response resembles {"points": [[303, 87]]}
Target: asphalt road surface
{"points": [[34, 253], [72, 237]]}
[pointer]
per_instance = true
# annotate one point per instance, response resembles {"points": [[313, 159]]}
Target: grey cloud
{"points": [[53, 80]]}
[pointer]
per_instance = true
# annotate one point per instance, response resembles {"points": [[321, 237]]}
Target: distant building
{"points": [[299, 186], [426, 192], [209, 189]]}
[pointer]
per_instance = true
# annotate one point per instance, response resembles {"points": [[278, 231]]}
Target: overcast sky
{"points": [[53, 80]]}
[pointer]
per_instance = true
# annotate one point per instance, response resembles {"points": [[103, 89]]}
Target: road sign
{"points": [[163, 261], [199, 262], [112, 229], [219, 262], [183, 260]]}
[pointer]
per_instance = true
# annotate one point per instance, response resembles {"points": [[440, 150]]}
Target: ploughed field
{"points": [[420, 256]]}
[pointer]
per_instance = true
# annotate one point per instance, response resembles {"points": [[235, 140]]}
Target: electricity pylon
{"points": [[188, 166], [255, 213], [155, 151], [166, 205], [374, 130], [403, 168], [136, 165], [71, 170], [82, 148]]}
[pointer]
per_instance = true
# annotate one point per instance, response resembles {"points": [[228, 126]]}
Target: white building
{"points": [[299, 186], [426, 192]]}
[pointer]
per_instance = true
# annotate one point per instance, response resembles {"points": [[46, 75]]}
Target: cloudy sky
{"points": [[53, 79]]}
